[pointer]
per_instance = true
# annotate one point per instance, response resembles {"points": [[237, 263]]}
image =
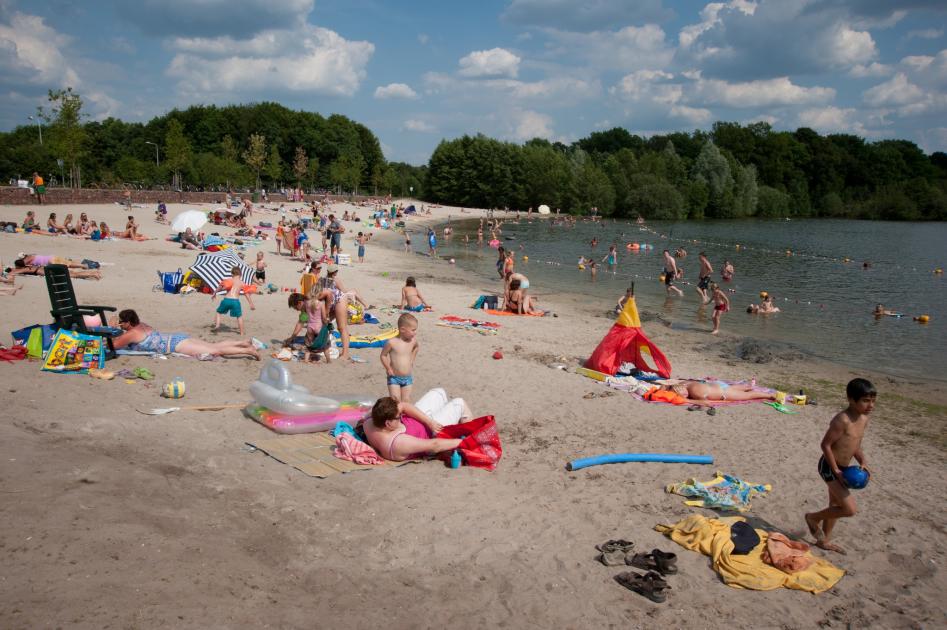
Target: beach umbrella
{"points": [[212, 267], [194, 219], [544, 209], [626, 343]]}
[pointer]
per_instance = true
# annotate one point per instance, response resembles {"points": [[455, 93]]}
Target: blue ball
{"points": [[855, 477]]}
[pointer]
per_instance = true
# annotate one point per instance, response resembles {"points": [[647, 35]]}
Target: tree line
{"points": [[730, 171], [235, 147]]}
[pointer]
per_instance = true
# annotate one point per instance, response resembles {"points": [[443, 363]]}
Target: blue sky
{"points": [[416, 72]]}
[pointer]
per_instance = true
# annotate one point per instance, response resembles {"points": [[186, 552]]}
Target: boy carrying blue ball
{"points": [[841, 443]]}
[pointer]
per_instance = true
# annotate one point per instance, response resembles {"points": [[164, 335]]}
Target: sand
{"points": [[116, 519]]}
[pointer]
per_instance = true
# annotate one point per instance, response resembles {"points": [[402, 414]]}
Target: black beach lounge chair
{"points": [[68, 313]]}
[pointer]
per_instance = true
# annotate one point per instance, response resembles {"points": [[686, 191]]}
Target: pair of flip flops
{"points": [[711, 411]]}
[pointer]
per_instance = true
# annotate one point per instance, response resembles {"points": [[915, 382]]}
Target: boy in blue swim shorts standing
{"points": [[398, 357], [230, 305]]}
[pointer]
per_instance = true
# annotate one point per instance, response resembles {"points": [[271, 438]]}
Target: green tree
{"points": [[713, 170], [346, 172], [177, 151], [67, 137], [313, 172], [255, 155], [274, 166], [300, 165]]}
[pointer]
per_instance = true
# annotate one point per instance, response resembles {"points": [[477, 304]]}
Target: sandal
{"points": [[711, 411], [614, 552], [657, 560], [694, 408], [650, 585]]}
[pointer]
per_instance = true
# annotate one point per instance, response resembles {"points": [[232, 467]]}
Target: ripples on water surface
{"points": [[826, 304]]}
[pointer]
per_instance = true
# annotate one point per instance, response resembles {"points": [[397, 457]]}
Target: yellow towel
{"points": [[711, 537]]}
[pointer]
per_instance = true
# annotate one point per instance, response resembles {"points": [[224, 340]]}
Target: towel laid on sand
{"points": [[722, 492], [711, 537]]}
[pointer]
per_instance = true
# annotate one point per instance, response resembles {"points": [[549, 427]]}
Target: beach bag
{"points": [[74, 353], [481, 447], [37, 339], [171, 280]]}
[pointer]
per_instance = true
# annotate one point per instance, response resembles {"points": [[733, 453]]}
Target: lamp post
{"points": [[39, 126], [157, 161]]}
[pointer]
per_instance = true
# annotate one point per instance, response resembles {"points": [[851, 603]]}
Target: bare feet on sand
{"points": [[816, 530]]}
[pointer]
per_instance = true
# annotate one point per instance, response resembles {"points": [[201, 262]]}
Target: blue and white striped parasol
{"points": [[212, 267]]}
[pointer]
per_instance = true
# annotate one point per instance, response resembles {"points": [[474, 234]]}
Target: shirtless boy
{"points": [[703, 277], [841, 443], [398, 357], [231, 302], [670, 273]]}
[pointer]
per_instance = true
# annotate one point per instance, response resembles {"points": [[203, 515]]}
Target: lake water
{"points": [[826, 303]]}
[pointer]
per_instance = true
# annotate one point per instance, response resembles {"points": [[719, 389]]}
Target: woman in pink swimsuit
{"points": [[401, 431]]}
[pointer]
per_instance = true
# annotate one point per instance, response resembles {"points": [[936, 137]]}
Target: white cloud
{"points": [[651, 85], [496, 62], [763, 93], [849, 47], [626, 49], [422, 126], [710, 16], [528, 124], [395, 90], [927, 33], [309, 59], [560, 90], [875, 69], [896, 91], [584, 16], [31, 51], [828, 118], [693, 115]]}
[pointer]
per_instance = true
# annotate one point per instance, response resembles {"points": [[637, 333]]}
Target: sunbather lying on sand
{"points": [[400, 431], [137, 335], [36, 270], [700, 392]]}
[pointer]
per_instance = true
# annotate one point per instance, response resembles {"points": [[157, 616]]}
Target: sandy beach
{"points": [[117, 519]]}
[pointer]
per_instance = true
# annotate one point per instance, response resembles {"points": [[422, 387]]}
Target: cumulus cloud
{"points": [[650, 85], [422, 126], [762, 93], [693, 115], [395, 90], [584, 16], [732, 40], [896, 91], [32, 52], [212, 18], [875, 69], [926, 33], [828, 118], [625, 49], [528, 124], [496, 62], [308, 59], [562, 90]]}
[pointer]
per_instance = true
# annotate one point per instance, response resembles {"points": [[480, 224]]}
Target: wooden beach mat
{"points": [[311, 453]]}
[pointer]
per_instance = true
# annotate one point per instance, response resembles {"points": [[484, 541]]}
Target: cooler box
{"points": [[343, 259]]}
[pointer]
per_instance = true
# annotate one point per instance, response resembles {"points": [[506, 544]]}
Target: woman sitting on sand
{"points": [[140, 336], [401, 431], [516, 300], [131, 231], [700, 391], [53, 226]]}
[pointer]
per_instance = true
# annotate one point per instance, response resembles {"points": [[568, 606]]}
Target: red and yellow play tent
{"points": [[626, 343]]}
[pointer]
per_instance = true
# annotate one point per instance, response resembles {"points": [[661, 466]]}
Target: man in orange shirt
{"points": [[39, 186]]}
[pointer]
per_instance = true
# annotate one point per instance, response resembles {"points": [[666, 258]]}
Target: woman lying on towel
{"points": [[137, 335], [400, 431], [700, 392], [33, 264]]}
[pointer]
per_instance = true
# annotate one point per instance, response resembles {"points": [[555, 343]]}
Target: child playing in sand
{"points": [[259, 273], [411, 298], [318, 337], [841, 443], [629, 293], [721, 305], [398, 357], [230, 305], [361, 239]]}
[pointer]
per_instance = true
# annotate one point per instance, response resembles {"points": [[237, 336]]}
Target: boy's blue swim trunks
{"points": [[230, 306]]}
